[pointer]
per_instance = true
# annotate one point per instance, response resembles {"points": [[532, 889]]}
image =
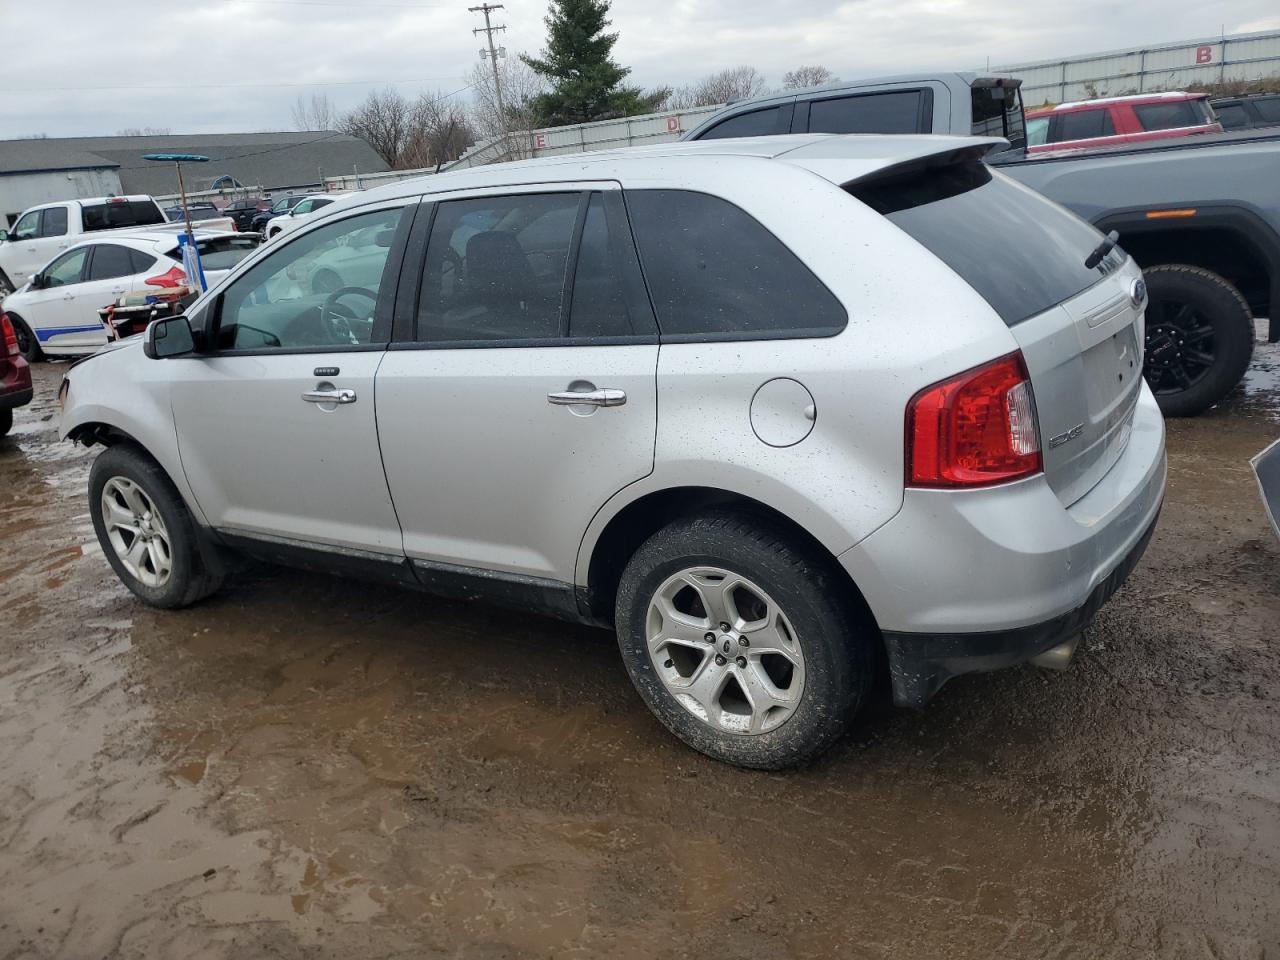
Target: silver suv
{"points": [[786, 413]]}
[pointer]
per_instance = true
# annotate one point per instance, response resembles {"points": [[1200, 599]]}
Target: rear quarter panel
{"points": [[911, 323]]}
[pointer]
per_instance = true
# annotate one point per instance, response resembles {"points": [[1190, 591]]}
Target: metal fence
{"points": [[1171, 66]]}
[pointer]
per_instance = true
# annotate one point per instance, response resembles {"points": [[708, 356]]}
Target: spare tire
{"points": [[1199, 338]]}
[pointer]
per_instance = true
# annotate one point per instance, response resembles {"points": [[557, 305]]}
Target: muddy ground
{"points": [[302, 767]]}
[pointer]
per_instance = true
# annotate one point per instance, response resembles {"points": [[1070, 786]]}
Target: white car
{"points": [[793, 415], [299, 214], [56, 311]]}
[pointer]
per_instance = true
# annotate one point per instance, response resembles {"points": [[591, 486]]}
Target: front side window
{"points": [[317, 291], [303, 207], [54, 222], [109, 261], [1166, 116], [897, 112], [757, 123], [712, 269], [28, 227], [1084, 125], [495, 268], [66, 269]]}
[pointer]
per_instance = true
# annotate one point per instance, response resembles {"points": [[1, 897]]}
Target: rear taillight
{"points": [[9, 338], [173, 278], [976, 429]]}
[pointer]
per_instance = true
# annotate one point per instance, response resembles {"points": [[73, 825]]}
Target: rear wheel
{"points": [[742, 641], [6, 421], [28, 345], [1199, 338], [146, 530]]}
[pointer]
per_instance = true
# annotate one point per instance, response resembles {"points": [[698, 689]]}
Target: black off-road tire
{"points": [[1213, 302], [6, 421], [28, 344], [836, 638], [190, 578]]}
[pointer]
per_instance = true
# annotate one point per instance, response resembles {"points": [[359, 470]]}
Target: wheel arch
{"points": [[603, 559], [1231, 241]]}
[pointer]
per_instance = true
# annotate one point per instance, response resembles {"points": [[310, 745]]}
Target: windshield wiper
{"points": [[1101, 250]]}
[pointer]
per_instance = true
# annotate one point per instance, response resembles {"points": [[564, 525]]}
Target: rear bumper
{"points": [[15, 383], [975, 580]]}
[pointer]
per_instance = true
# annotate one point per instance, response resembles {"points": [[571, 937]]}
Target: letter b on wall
{"points": [[1204, 54]]}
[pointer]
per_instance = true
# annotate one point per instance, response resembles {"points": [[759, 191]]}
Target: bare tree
{"points": [[735, 83], [520, 85], [143, 132], [439, 131], [807, 77], [314, 112], [383, 121]]}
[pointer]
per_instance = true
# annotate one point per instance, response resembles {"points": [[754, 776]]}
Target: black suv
{"points": [[1244, 113]]}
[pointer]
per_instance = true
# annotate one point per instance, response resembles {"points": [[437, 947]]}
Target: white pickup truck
{"points": [[42, 232]]}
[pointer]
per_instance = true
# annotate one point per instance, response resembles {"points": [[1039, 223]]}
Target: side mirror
{"points": [[37, 281], [168, 337]]}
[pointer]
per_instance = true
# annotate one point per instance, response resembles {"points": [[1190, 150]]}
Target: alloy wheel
{"points": [[136, 532], [1179, 347], [725, 650]]}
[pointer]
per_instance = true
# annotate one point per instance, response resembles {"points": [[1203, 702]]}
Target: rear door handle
{"points": [[330, 396], [595, 398]]}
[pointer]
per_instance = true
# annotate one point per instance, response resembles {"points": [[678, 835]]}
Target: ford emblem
{"points": [[1138, 292]]}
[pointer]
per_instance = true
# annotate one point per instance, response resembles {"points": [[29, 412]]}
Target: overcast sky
{"points": [[89, 67]]}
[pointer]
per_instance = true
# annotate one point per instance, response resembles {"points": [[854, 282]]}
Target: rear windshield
{"points": [[1021, 252], [221, 253], [121, 213]]}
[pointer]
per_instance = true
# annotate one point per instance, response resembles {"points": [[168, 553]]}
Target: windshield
{"points": [[1020, 251], [1037, 131]]}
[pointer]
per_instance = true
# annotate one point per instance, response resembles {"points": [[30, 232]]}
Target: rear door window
{"points": [[897, 112], [713, 271], [1232, 116], [121, 213], [1268, 109], [1083, 125], [757, 123], [110, 260], [1167, 116], [1021, 252], [608, 297], [54, 222], [496, 268]]}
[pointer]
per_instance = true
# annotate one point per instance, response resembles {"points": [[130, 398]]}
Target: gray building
{"points": [[67, 168]]}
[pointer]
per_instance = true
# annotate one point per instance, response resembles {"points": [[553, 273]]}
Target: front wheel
{"points": [[743, 641], [146, 531], [1199, 338], [28, 344]]}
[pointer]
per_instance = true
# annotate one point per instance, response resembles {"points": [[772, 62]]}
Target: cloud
{"points": [[95, 68]]}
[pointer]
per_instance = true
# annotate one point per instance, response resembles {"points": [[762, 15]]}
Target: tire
{"points": [[779, 580], [28, 344], [6, 421], [1199, 338], [119, 471]]}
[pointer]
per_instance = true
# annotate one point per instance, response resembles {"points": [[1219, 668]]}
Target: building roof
{"points": [[270, 159]]}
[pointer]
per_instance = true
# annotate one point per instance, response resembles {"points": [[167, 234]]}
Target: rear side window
{"points": [[898, 112], [121, 213], [1268, 109], [142, 262], [757, 123], [1021, 252], [713, 270], [495, 268], [222, 253], [1167, 116], [110, 261], [1084, 125], [54, 222]]}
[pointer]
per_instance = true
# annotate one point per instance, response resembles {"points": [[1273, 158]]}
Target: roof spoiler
{"points": [[975, 150], [1013, 82]]}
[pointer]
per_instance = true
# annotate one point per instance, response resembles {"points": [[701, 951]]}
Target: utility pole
{"points": [[489, 30]]}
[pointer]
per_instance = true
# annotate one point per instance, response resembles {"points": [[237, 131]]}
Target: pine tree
{"points": [[585, 83]]}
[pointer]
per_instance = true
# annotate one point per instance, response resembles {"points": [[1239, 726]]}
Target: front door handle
{"points": [[595, 398], [330, 396]]}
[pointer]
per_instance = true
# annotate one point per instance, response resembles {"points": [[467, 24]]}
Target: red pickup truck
{"points": [[1116, 120]]}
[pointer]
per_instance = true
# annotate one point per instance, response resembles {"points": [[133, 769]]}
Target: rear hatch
{"points": [[1078, 328]]}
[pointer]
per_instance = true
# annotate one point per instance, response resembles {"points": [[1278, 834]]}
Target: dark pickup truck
{"points": [[1201, 216]]}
